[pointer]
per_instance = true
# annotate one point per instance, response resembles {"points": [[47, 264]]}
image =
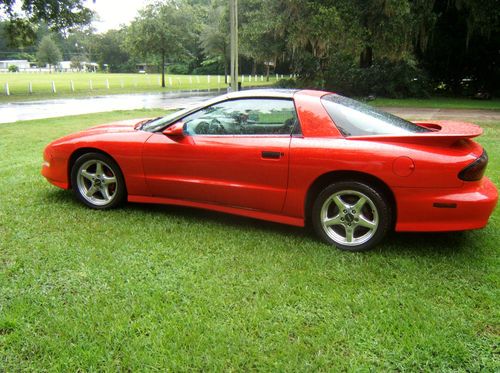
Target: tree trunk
{"points": [[366, 57], [267, 71], [163, 69], [254, 68]]}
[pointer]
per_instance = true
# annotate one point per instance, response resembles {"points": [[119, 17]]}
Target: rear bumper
{"points": [[439, 210]]}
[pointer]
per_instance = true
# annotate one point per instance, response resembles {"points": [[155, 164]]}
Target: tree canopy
{"points": [[48, 53], [356, 47], [22, 15], [162, 30]]}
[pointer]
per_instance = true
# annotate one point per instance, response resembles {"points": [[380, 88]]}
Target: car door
{"points": [[234, 153]]}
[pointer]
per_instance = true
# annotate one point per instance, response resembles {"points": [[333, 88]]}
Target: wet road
{"points": [[15, 111]]}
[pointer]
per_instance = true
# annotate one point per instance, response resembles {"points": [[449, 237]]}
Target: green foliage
{"points": [[58, 14], [327, 43], [384, 78], [211, 66], [48, 53], [214, 38], [13, 69], [462, 47], [178, 68], [162, 30], [109, 48]]}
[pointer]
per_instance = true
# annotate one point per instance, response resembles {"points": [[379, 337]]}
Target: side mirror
{"points": [[175, 130]]}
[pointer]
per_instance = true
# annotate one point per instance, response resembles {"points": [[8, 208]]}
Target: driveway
{"points": [[466, 115]]}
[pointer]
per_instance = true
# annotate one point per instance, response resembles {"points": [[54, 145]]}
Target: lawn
{"points": [[88, 84], [161, 288]]}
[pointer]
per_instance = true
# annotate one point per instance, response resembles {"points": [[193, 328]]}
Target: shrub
{"points": [[385, 78], [13, 69], [178, 69]]}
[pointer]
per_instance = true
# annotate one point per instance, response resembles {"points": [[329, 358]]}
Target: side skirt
{"points": [[298, 222]]}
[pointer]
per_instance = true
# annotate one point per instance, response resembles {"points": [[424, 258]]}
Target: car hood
{"points": [[443, 132], [123, 126], [114, 127]]}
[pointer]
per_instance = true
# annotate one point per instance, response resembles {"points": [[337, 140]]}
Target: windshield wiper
{"points": [[147, 121]]}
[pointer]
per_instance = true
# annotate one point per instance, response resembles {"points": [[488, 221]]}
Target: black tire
{"points": [[337, 222], [97, 181]]}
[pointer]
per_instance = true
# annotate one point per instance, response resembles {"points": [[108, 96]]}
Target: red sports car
{"points": [[288, 156]]}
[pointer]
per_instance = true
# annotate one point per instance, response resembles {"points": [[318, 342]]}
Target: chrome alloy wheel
{"points": [[97, 182], [349, 217]]}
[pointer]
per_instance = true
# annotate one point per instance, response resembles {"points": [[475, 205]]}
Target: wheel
{"points": [[351, 215], [97, 181]]}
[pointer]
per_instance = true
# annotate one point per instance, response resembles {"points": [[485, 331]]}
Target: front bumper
{"points": [[55, 170], [447, 209]]}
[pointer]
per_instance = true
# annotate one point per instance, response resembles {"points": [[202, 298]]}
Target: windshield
{"points": [[159, 123], [353, 118]]}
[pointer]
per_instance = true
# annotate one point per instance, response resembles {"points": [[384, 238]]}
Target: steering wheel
{"points": [[202, 128], [216, 127]]}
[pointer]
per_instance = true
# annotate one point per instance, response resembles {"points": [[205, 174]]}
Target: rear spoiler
{"points": [[442, 132]]}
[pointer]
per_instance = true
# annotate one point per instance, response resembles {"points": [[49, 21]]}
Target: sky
{"points": [[113, 13]]}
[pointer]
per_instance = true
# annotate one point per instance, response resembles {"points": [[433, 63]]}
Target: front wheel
{"points": [[351, 215], [97, 181]]}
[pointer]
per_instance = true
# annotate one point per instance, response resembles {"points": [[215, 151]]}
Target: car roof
{"points": [[270, 92]]}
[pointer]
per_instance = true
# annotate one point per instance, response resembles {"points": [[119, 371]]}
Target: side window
{"points": [[244, 117]]}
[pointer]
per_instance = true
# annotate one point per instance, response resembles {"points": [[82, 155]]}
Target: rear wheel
{"points": [[97, 181], [351, 215]]}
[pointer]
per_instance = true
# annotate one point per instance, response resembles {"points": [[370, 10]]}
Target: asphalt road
{"points": [[17, 111]]}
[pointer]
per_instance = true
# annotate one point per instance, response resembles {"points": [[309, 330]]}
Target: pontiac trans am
{"points": [[289, 156]]}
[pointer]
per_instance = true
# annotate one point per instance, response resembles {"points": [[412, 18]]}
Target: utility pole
{"points": [[233, 19]]}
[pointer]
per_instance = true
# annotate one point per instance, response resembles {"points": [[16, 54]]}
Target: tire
{"points": [[351, 215], [97, 181]]}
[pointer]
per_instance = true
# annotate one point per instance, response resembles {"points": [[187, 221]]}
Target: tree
{"points": [[260, 34], [462, 51], [162, 30], [58, 14], [48, 53], [109, 50], [214, 37]]}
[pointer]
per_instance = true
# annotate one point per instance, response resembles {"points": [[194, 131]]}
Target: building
{"points": [[20, 64]]}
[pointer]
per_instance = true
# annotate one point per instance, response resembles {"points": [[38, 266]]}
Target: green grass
{"points": [[161, 288], [438, 103], [118, 83]]}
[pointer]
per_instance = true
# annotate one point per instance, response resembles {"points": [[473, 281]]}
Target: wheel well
{"points": [[79, 152], [326, 179]]}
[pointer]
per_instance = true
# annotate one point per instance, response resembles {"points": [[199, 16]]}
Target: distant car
{"points": [[291, 157]]}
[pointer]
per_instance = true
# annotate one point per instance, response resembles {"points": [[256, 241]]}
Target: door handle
{"points": [[272, 155]]}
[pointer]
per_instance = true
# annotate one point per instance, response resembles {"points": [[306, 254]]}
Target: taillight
{"points": [[475, 170]]}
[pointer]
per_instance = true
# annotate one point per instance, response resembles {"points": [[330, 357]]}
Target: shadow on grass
{"points": [[424, 244], [395, 244]]}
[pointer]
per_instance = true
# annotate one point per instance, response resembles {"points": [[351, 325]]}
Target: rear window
{"points": [[353, 118]]}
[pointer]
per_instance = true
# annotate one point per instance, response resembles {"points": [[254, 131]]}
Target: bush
{"points": [[384, 78], [287, 83], [178, 69], [13, 69]]}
